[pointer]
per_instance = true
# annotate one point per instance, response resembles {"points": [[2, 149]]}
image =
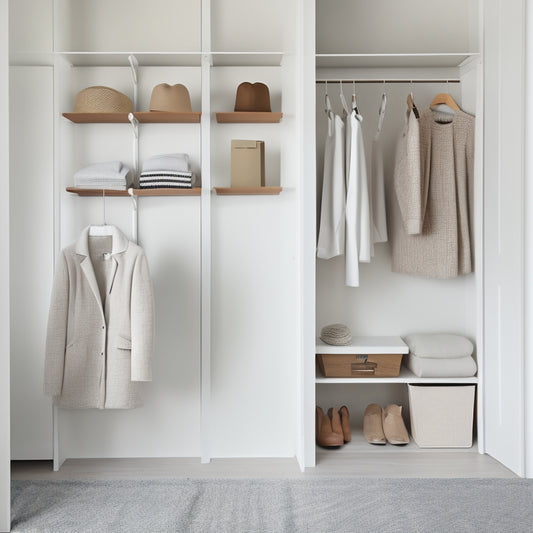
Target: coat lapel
{"points": [[120, 245]]}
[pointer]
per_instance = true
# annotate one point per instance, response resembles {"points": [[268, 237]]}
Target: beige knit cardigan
{"points": [[440, 199]]}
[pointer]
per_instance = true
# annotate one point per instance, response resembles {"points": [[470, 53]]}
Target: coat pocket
{"points": [[123, 343]]}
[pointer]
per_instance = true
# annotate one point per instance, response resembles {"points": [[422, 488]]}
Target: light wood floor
{"points": [[357, 459]]}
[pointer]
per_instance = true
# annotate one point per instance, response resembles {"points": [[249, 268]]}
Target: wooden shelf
{"points": [[195, 191], [153, 117], [406, 376], [239, 191], [167, 117], [249, 117]]}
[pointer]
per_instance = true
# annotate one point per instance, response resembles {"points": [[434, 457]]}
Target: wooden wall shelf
{"points": [[146, 117], [195, 191], [239, 191], [249, 117]]}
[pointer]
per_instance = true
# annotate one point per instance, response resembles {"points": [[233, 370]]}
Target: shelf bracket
{"points": [[134, 218], [135, 125], [134, 64]]}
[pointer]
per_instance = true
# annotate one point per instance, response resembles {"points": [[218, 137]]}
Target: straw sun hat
{"points": [[100, 99]]}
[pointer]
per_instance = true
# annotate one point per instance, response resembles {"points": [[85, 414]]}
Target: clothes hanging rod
{"points": [[395, 80]]}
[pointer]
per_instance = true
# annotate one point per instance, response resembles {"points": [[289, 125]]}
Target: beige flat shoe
{"points": [[345, 423], [393, 425], [373, 425], [325, 436]]}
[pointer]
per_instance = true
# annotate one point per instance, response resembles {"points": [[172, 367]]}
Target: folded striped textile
{"points": [[164, 185]]}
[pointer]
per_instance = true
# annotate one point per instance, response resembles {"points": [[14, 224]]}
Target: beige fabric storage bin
{"points": [[442, 416]]}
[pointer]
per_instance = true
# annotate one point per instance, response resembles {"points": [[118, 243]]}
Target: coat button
{"points": [[103, 327], [101, 353]]}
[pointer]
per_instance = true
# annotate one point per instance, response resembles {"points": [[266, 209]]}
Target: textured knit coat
{"points": [[100, 326], [432, 222]]}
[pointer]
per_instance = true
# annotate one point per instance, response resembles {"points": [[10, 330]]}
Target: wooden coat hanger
{"points": [[446, 99], [411, 105]]}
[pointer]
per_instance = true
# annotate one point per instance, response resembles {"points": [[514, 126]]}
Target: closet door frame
{"points": [[5, 436]]}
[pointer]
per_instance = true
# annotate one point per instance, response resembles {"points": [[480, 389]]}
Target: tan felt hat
{"points": [[252, 97], [167, 97], [101, 99]]}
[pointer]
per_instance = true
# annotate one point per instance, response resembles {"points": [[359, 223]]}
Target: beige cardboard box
{"points": [[247, 163]]}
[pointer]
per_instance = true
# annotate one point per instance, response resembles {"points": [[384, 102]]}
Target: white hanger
{"points": [[382, 108], [354, 100], [102, 230], [343, 100], [327, 100]]}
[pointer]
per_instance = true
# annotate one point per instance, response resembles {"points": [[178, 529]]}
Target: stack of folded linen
{"points": [[440, 355], [167, 171], [112, 175]]}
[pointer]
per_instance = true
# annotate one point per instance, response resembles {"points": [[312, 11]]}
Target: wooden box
{"points": [[334, 365]]}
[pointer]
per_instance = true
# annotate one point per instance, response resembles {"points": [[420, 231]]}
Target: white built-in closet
{"points": [[355, 41], [224, 268], [240, 296]]}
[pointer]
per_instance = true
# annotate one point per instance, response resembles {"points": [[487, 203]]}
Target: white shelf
{"points": [[246, 59], [365, 345], [120, 59], [393, 60], [406, 376]]}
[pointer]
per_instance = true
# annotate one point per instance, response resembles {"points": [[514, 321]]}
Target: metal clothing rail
{"points": [[392, 80]]}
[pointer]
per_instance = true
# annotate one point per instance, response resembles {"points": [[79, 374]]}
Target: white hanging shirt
{"points": [[358, 228], [379, 212], [331, 233]]}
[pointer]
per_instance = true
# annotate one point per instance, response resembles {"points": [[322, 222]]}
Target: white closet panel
{"points": [[504, 241], [5, 465], [31, 256]]}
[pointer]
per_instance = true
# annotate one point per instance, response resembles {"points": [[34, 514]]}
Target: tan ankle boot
{"points": [[393, 425], [345, 423], [325, 436], [373, 424]]}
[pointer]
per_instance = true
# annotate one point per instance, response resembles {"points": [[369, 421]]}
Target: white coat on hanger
{"points": [[379, 213], [358, 228], [331, 233]]}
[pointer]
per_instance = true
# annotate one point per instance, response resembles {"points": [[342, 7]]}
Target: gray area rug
{"points": [[242, 505]]}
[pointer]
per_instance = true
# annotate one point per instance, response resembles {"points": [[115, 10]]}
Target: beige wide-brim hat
{"points": [[252, 97], [174, 98], [101, 99]]}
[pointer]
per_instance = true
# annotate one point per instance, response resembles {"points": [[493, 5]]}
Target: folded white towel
{"points": [[439, 345], [104, 182], [178, 162], [459, 367], [111, 169]]}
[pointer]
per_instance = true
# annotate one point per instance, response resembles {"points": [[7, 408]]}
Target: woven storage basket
{"points": [[101, 99]]}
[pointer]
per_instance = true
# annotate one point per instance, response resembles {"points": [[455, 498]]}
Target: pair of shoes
{"points": [[382, 425], [332, 429]]}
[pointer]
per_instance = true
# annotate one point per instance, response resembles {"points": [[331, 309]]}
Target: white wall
{"points": [[382, 26], [5, 474]]}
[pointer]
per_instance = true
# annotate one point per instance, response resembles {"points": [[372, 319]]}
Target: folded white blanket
{"points": [[459, 367], [105, 185], [178, 162], [111, 169], [439, 345]]}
